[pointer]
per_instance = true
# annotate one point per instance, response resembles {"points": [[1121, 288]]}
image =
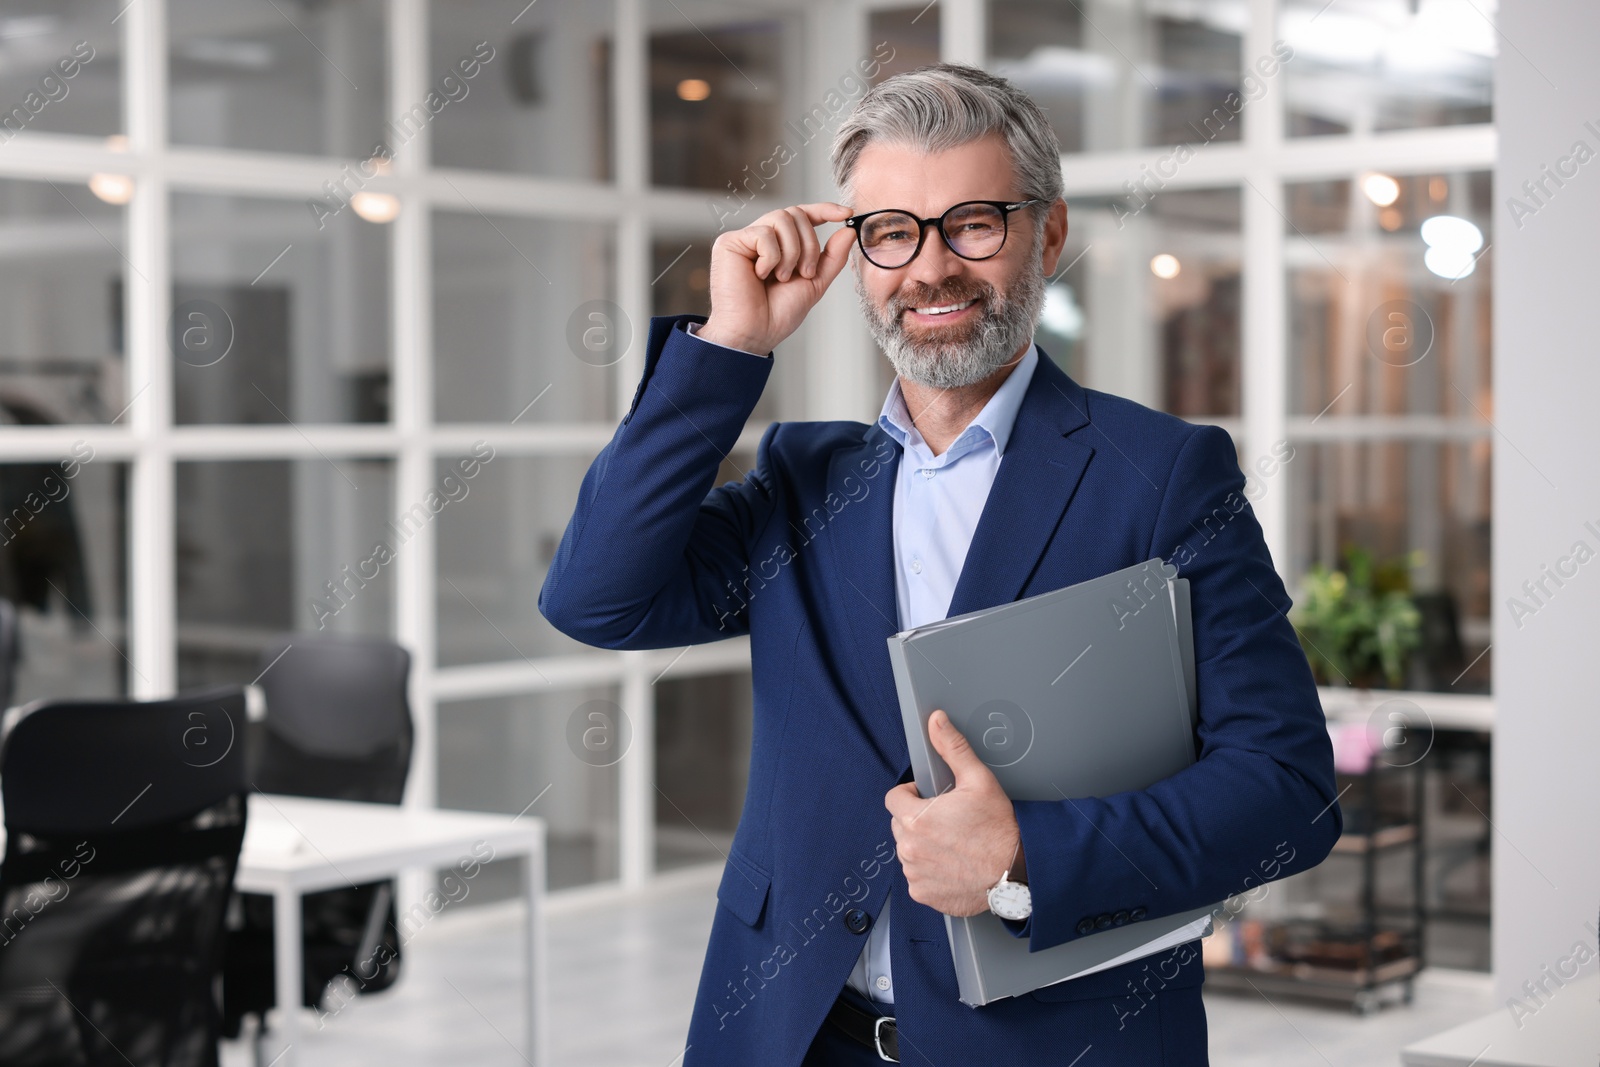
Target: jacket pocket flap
{"points": [[743, 889]]}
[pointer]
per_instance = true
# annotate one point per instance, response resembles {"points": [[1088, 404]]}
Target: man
{"points": [[990, 475]]}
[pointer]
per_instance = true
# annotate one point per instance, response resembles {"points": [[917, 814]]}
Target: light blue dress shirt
{"points": [[937, 503]]}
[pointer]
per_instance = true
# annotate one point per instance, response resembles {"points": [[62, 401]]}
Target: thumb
{"points": [[835, 254], [956, 750]]}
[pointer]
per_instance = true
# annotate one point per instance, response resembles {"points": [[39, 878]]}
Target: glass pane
{"points": [[63, 537], [715, 96], [498, 533], [1372, 65], [1145, 300], [62, 263], [60, 67], [266, 547], [902, 39], [280, 77], [514, 312], [681, 267], [277, 316], [1375, 328], [551, 755], [1117, 74], [702, 766], [522, 88], [1393, 498]]}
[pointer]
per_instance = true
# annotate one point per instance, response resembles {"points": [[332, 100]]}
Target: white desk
{"points": [[295, 845], [1443, 711], [1563, 1033]]}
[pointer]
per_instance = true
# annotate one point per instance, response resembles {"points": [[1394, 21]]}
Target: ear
{"points": [[1054, 237]]}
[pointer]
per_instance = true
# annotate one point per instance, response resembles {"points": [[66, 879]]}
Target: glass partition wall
{"points": [[316, 316]]}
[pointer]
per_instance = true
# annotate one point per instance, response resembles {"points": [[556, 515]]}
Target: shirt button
{"points": [[916, 566], [882, 982], [927, 472]]}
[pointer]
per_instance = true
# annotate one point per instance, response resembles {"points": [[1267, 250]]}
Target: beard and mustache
{"points": [[960, 354]]}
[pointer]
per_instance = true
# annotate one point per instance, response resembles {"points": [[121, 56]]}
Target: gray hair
{"points": [[945, 105]]}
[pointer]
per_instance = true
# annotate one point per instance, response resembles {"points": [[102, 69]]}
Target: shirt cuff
{"points": [[1019, 928], [693, 330]]}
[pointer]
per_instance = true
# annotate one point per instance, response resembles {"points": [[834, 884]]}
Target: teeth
{"points": [[944, 309]]}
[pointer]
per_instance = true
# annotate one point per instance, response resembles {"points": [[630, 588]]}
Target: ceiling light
{"points": [[1165, 266], [1451, 263], [1452, 233], [376, 207], [1380, 189], [1452, 244], [1061, 314], [113, 188]]}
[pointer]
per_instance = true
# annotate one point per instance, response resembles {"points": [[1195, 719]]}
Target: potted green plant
{"points": [[1358, 625]]}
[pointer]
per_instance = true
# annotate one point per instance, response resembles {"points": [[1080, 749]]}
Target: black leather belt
{"points": [[869, 1028]]}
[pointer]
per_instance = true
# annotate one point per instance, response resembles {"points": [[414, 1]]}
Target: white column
{"points": [[1546, 869], [411, 319], [1265, 336], [152, 606], [963, 32], [841, 378], [636, 810], [1118, 34]]}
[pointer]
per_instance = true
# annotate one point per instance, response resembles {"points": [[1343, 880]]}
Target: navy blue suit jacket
{"points": [[797, 555]]}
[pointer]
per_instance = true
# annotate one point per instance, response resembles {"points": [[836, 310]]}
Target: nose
{"points": [[935, 263]]}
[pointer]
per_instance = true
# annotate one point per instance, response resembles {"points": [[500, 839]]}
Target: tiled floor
{"points": [[623, 972]]}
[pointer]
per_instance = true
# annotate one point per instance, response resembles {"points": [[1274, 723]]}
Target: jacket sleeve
{"points": [[1259, 803], [654, 555]]}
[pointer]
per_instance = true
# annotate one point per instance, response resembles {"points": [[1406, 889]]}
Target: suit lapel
{"points": [[1038, 476], [861, 541]]}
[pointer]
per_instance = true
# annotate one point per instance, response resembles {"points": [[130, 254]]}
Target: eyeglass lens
{"points": [[974, 231]]}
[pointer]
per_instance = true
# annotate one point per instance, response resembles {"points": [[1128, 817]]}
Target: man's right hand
{"points": [[767, 276]]}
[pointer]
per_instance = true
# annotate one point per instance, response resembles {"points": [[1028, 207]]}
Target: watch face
{"points": [[1011, 900]]}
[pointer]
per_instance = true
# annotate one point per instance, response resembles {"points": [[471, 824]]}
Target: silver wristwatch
{"points": [[1008, 899]]}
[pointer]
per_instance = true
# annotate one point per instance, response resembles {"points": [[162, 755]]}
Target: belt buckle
{"points": [[877, 1037]]}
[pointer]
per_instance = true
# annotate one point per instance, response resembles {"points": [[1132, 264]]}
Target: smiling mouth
{"points": [[945, 309]]}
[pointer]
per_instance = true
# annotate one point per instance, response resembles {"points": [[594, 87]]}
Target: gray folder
{"points": [[1083, 691]]}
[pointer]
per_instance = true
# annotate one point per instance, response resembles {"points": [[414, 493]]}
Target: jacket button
{"points": [[1102, 921], [1138, 913], [1119, 919], [1086, 926], [857, 921]]}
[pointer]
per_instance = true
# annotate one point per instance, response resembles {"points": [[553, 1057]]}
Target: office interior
{"points": [[315, 313]]}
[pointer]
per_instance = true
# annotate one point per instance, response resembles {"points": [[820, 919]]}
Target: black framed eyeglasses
{"points": [[973, 229]]}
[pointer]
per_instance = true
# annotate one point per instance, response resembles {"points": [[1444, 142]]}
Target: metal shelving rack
{"points": [[1381, 947]]}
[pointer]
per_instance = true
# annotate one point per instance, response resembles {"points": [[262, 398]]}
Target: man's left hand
{"points": [[955, 846]]}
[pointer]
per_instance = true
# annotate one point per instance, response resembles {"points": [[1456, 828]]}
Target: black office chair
{"points": [[1441, 653], [338, 726], [123, 827]]}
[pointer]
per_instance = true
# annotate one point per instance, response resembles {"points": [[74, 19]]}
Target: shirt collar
{"points": [[996, 419]]}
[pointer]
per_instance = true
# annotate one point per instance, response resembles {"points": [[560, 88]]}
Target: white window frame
{"points": [[839, 356]]}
